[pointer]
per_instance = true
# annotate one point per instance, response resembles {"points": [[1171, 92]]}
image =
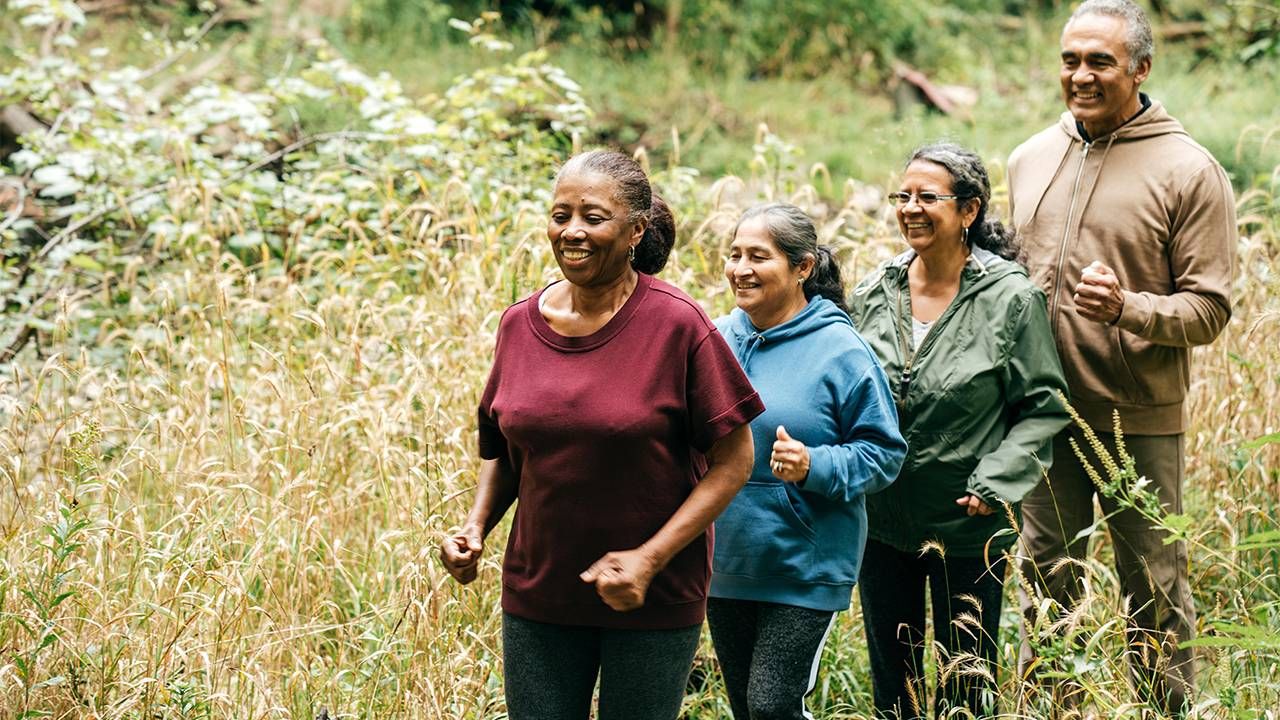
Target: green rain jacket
{"points": [[977, 402]]}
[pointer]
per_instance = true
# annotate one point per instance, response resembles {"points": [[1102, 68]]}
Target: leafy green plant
{"points": [[49, 582]]}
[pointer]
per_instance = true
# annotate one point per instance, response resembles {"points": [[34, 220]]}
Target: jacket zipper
{"points": [[909, 356], [1066, 232]]}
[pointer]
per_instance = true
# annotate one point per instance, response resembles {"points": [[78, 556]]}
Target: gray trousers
{"points": [[768, 655], [551, 670], [1153, 575]]}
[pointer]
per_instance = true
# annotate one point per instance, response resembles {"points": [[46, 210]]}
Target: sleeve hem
{"points": [[1135, 313], [820, 471], [491, 449], [741, 413]]}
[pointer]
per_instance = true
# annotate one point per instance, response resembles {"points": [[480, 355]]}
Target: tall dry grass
{"points": [[249, 414], [238, 518]]}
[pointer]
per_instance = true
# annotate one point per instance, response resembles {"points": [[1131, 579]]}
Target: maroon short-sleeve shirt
{"points": [[606, 434]]}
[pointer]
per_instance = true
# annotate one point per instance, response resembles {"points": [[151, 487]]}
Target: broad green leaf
{"points": [[1264, 440], [1240, 636], [1177, 525], [84, 262], [1259, 540]]}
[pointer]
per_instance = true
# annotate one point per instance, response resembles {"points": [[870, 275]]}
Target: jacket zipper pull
{"points": [[904, 386]]}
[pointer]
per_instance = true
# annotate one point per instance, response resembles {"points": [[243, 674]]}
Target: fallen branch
{"points": [[208, 65], [90, 219], [950, 99], [27, 333], [1183, 30], [20, 341], [928, 91], [104, 6], [296, 146], [102, 212], [16, 121], [183, 49], [1010, 22]]}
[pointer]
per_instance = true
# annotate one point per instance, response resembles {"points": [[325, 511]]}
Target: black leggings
{"points": [[551, 670], [768, 655], [892, 586]]}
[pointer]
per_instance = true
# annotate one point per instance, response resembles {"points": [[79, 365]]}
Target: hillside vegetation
{"points": [[250, 286]]}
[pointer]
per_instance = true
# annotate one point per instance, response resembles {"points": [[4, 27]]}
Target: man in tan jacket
{"points": [[1129, 227]]}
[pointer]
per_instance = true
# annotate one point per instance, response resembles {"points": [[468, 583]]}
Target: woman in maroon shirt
{"points": [[616, 418]]}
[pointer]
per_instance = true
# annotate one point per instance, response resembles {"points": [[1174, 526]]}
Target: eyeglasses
{"points": [[924, 198]]}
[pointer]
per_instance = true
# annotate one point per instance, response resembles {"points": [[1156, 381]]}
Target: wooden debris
{"points": [[913, 86]]}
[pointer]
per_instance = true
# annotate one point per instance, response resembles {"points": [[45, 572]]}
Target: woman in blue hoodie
{"points": [[789, 546]]}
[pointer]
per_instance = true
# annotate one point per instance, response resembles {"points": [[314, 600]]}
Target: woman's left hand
{"points": [[973, 505], [790, 458], [622, 578]]}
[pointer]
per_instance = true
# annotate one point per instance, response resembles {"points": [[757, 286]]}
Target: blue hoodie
{"points": [[801, 544]]}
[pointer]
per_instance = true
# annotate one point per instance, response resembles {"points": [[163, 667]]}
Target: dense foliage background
{"points": [[252, 256]]}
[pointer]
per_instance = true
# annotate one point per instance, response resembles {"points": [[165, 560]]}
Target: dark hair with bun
{"points": [[969, 180], [793, 232], [643, 204]]}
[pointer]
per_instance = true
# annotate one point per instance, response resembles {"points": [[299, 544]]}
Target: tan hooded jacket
{"points": [[1157, 208]]}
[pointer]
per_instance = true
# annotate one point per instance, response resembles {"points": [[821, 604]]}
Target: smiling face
{"points": [[589, 230], [1097, 86], [765, 284], [930, 228]]}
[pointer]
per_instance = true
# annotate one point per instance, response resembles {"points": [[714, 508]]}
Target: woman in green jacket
{"points": [[964, 337]]}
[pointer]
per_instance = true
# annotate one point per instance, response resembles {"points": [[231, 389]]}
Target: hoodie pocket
{"points": [[1148, 366], [761, 534]]}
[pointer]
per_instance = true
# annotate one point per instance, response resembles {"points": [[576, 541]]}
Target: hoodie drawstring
{"points": [[1062, 162], [753, 342], [1102, 162]]}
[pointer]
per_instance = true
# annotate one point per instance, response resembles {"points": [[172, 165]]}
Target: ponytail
{"points": [[825, 280], [994, 237], [659, 237]]}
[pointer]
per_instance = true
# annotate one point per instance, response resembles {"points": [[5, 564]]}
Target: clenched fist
{"points": [[622, 578], [460, 553]]}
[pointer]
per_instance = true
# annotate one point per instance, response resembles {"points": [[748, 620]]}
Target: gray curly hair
{"points": [[970, 181]]}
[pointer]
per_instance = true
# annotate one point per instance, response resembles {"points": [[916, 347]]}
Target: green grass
{"points": [[644, 99]]}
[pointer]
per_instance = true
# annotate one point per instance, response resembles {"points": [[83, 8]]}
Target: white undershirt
{"points": [[919, 329]]}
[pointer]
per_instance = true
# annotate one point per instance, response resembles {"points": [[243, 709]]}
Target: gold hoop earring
{"points": [[631, 253]]}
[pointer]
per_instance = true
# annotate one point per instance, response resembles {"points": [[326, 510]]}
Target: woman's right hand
{"points": [[460, 553], [974, 505]]}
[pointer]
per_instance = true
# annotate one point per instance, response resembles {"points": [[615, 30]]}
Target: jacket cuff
{"points": [[993, 500], [1136, 313], [820, 471]]}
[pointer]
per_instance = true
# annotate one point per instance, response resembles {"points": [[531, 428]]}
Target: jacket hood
{"points": [[1051, 149], [983, 268], [1155, 120], [819, 313]]}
